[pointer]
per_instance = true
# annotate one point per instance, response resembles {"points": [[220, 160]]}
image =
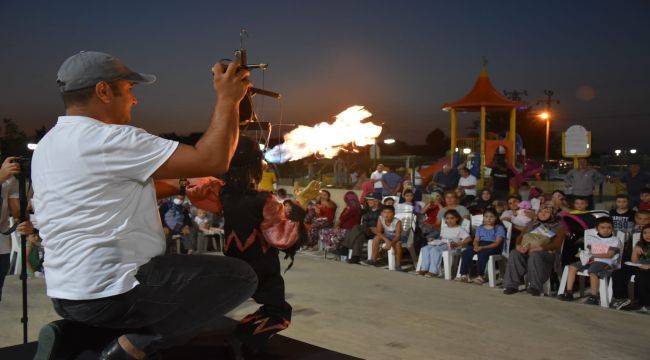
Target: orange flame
{"points": [[326, 139]]}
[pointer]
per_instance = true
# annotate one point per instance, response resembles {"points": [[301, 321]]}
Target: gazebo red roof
{"points": [[483, 94]]}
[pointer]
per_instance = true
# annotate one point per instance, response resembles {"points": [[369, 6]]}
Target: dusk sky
{"points": [[402, 60]]}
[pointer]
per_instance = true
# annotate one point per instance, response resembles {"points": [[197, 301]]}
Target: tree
{"points": [[14, 140], [437, 142]]}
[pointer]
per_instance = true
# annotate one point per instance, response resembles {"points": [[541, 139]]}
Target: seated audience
{"points": [[201, 224], [349, 218], [559, 200], [451, 203], [468, 183], [604, 249], [644, 204], [463, 199], [452, 236], [355, 238], [176, 221], [389, 201], [622, 215], [281, 194], [324, 210], [513, 207], [430, 211], [499, 206], [409, 199], [488, 241], [641, 256], [621, 277], [388, 236], [483, 201], [536, 250]]}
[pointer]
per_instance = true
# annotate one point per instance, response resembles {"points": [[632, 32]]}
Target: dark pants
{"points": [[621, 281], [354, 239], [642, 284], [538, 267], [4, 269], [483, 257], [178, 297]]}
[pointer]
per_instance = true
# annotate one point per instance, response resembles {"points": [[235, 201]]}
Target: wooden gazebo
{"points": [[483, 98]]}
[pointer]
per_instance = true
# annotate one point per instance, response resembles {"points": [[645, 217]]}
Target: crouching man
{"points": [[95, 202]]}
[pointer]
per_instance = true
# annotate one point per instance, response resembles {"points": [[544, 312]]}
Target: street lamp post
{"points": [[547, 117]]}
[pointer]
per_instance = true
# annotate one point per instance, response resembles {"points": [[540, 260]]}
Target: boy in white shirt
{"points": [[604, 249]]}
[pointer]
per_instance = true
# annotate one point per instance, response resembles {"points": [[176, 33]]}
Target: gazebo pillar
{"points": [[454, 136], [483, 136], [512, 134]]}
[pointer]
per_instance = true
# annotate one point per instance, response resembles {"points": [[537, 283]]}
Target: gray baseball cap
{"points": [[87, 68]]}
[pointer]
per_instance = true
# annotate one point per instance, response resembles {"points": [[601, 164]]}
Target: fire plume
{"points": [[326, 139]]}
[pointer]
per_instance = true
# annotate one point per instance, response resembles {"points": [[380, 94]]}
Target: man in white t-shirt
{"points": [[9, 206], [467, 182], [377, 177], [95, 203]]}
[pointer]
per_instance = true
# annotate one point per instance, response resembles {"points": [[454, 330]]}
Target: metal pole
{"points": [[548, 138], [22, 194]]}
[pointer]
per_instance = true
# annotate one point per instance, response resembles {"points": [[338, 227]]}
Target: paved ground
{"points": [[377, 314]]}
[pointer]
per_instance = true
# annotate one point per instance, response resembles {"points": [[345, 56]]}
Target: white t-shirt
{"points": [[95, 202], [200, 220], [595, 241], [9, 191], [377, 176], [468, 181], [454, 234]]}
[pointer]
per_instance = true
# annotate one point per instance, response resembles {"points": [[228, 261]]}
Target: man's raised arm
{"points": [[212, 153]]}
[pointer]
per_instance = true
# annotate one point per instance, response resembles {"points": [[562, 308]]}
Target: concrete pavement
{"points": [[376, 314]]}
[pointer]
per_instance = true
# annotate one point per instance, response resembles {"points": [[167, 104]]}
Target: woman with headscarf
{"points": [[482, 202], [538, 247], [349, 218]]}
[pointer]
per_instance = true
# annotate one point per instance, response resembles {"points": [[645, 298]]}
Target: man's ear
{"points": [[104, 92]]}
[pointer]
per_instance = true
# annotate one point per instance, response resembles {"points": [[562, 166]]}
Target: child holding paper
{"points": [[641, 256], [603, 251], [452, 236]]}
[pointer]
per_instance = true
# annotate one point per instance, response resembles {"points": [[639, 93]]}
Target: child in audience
{"points": [[513, 206], [604, 249], [499, 206], [580, 205], [641, 256], [645, 200], [388, 236], [409, 199], [201, 220], [488, 241], [452, 236], [389, 201], [622, 215], [524, 215]]}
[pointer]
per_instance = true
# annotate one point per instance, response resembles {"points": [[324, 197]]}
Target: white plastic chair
{"points": [[605, 284], [447, 255], [408, 228], [492, 260]]}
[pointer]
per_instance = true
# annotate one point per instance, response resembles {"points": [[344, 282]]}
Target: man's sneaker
{"points": [[619, 303], [567, 296], [510, 291], [644, 310], [592, 300], [533, 291]]}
